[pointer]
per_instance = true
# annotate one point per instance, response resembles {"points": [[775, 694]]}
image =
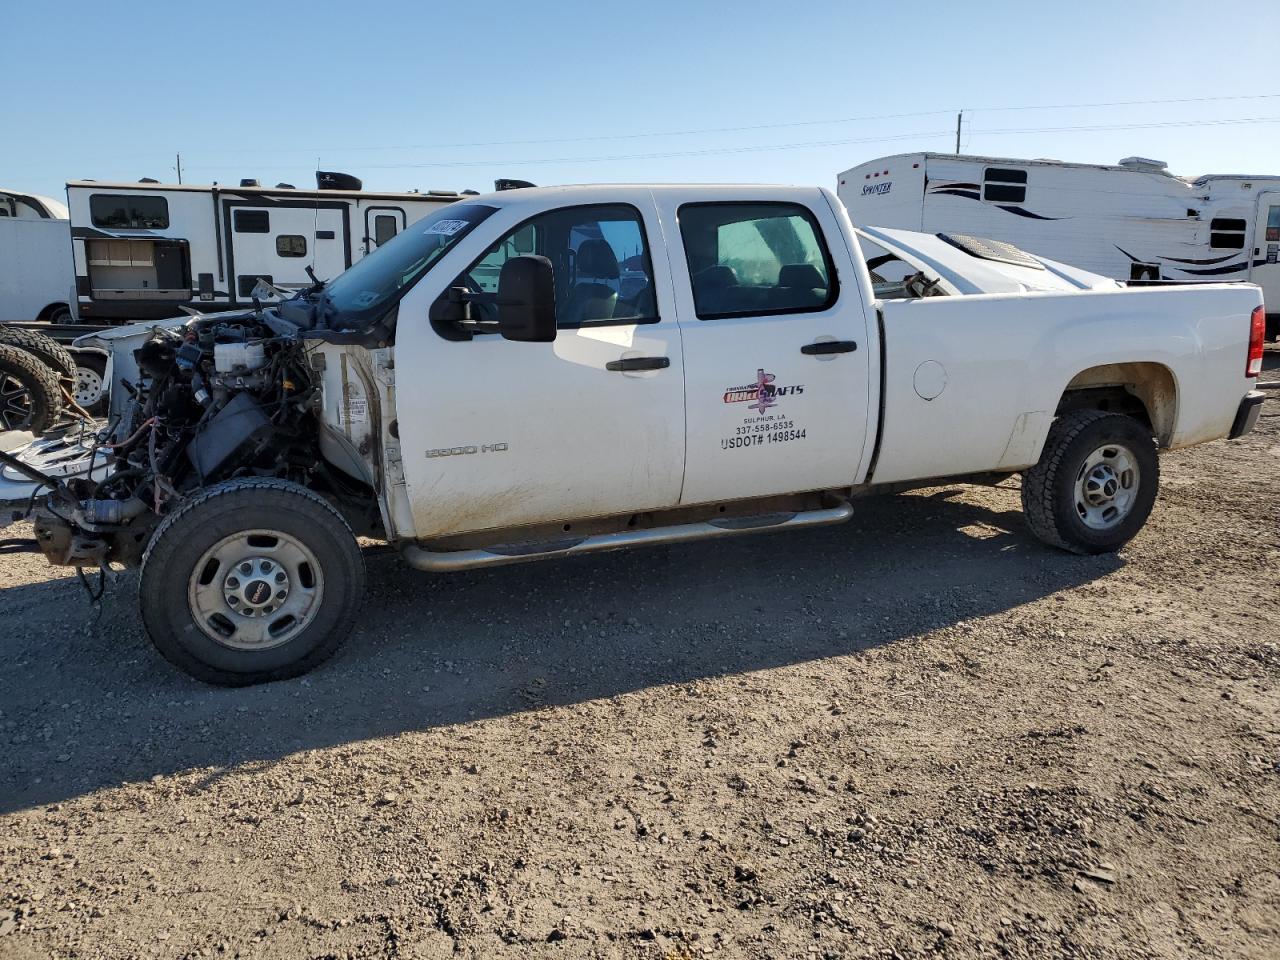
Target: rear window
{"points": [[127, 212]]}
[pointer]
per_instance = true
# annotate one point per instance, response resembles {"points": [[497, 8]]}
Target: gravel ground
{"points": [[918, 733]]}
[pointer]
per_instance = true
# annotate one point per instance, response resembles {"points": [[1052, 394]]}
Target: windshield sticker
{"points": [[761, 427], [446, 228]]}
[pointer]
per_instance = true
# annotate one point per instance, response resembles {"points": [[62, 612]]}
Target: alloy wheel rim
{"points": [[15, 403]]}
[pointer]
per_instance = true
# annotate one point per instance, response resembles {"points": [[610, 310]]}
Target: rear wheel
{"points": [[1095, 484], [251, 580], [30, 395]]}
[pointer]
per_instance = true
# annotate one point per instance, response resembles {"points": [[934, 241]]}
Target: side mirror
{"points": [[527, 300]]}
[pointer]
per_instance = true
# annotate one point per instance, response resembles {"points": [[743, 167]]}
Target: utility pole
{"points": [[959, 120], [179, 158]]}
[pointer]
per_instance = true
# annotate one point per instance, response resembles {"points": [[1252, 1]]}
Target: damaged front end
{"points": [[194, 402]]}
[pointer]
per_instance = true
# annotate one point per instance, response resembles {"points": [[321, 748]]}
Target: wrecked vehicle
{"points": [[551, 372]]}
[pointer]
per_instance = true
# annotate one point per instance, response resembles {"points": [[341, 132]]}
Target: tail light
{"points": [[1257, 331]]}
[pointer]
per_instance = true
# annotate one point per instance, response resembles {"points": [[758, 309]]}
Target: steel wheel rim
{"points": [[255, 590], [88, 386], [15, 403], [1107, 486]]}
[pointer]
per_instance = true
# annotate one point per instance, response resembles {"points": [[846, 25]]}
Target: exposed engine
{"points": [[220, 397]]}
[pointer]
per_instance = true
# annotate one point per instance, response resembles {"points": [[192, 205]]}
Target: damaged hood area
{"points": [[966, 265]]}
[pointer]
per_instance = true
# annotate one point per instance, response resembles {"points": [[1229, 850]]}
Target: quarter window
{"points": [[756, 259], [1004, 186], [129, 212], [252, 221], [291, 245], [601, 261]]}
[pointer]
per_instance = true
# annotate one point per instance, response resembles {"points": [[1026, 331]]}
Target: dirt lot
{"points": [[918, 733]]}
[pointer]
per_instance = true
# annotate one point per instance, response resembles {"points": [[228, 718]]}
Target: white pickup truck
{"points": [[551, 372]]}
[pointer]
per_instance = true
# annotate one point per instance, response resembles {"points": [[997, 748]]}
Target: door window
{"points": [[1273, 225], [601, 261], [251, 221], [384, 228], [756, 259], [291, 245]]}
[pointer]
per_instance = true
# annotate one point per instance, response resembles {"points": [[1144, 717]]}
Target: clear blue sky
{"points": [[431, 95]]}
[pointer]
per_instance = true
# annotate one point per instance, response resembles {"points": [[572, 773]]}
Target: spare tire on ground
{"points": [[30, 394], [51, 353]]}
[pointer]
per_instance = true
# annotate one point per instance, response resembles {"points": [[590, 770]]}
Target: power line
{"points": [[703, 131], [760, 148]]}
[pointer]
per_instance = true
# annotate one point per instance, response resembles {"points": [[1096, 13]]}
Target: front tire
{"points": [[1095, 484], [249, 581]]}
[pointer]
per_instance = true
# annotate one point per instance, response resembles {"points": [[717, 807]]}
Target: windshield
{"points": [[371, 286]]}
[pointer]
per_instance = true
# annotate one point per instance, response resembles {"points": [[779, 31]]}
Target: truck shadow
{"points": [[88, 704]]}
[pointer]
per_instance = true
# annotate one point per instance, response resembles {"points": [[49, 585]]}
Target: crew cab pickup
{"points": [[544, 373]]}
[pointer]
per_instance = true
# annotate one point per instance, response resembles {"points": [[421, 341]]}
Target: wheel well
{"points": [[1144, 391], [50, 310]]}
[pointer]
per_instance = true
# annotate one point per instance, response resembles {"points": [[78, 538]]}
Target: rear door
{"points": [[777, 356], [1265, 267], [277, 242]]}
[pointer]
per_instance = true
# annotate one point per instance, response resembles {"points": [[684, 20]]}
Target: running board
{"points": [[444, 561]]}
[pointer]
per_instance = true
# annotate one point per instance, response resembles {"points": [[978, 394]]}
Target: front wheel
{"points": [[1095, 484], [251, 580]]}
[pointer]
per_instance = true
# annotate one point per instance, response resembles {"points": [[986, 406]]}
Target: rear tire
{"points": [[30, 394], [51, 353], [249, 581], [1095, 484]]}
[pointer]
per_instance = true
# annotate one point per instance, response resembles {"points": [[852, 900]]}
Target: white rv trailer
{"points": [[36, 278], [1132, 221], [144, 250]]}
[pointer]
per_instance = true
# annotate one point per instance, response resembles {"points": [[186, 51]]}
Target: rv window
{"points": [[252, 221], [1004, 186], [756, 259], [1273, 225], [291, 245], [384, 228], [130, 213], [1226, 233], [245, 285]]}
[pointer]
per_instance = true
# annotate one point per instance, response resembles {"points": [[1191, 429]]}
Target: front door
{"points": [[777, 359], [278, 242], [498, 434], [1265, 267]]}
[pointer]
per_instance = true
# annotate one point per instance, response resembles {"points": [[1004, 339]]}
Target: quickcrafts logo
{"points": [[764, 392]]}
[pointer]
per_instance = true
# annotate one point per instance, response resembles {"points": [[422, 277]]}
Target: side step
{"points": [[443, 561]]}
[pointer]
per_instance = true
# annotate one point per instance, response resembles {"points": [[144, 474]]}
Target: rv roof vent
{"points": [[148, 180], [337, 181], [249, 182], [471, 193], [1144, 165], [505, 184], [285, 186]]}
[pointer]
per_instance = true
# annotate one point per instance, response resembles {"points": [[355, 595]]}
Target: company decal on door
{"points": [[765, 420]]}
